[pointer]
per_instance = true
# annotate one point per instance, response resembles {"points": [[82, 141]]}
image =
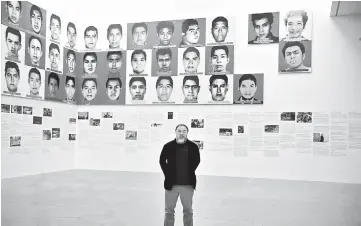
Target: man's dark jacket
{"points": [[168, 162]]}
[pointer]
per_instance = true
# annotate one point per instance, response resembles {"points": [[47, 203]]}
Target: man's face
{"points": [[89, 90], [35, 51], [34, 83], [90, 64], [114, 63], [70, 89], [165, 36], [219, 60], [248, 88], [12, 79], [138, 63], [262, 27], [295, 26], [54, 57], [53, 87], [164, 62], [164, 90], [192, 34], [13, 44], [181, 134], [114, 38], [71, 63], [218, 89], [113, 89], [14, 11], [91, 39], [190, 62], [190, 90], [71, 34], [140, 36], [220, 31], [137, 90], [55, 29], [36, 21], [294, 57]]}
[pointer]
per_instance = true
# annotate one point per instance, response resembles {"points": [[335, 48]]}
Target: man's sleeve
{"points": [[163, 160], [197, 157]]}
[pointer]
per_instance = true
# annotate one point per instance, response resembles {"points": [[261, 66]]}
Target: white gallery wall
{"points": [[332, 87]]}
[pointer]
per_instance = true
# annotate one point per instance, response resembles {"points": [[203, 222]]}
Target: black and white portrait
{"points": [[35, 51], [193, 32], [54, 86], [220, 30], [165, 34], [35, 81], [70, 90], [116, 61], [170, 115], [91, 35], [191, 61], [12, 12], [54, 30], [320, 137], [220, 89], [12, 77], [71, 35], [164, 86], [139, 62], [138, 34], [54, 58], [115, 36], [220, 59], [248, 88], [296, 25], [35, 21], [69, 62], [295, 57], [165, 61], [14, 43], [263, 28]]}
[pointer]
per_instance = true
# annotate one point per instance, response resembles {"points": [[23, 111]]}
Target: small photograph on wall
{"points": [[170, 115], [248, 88], [13, 44], [296, 25], [271, 128], [35, 52], [72, 136], [15, 141], [263, 28], [116, 62], [47, 112], [89, 90], [70, 90], [220, 89], [304, 117], [69, 62], [90, 64], [193, 32], [138, 36], [70, 36], [5, 108], [295, 57], [191, 61], [27, 110], [197, 123], [54, 58], [118, 126], [37, 120], [107, 114], [54, 28], [54, 86], [47, 134], [137, 90], [139, 62], [14, 13], [225, 132], [72, 120], [112, 91], [165, 62], [199, 143], [320, 137], [131, 135], [288, 116], [162, 90], [35, 83], [221, 30], [94, 122], [83, 115], [14, 78], [165, 34], [35, 20], [219, 60], [16, 109], [55, 132]]}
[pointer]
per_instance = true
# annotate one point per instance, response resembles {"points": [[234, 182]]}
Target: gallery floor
{"points": [[103, 198]]}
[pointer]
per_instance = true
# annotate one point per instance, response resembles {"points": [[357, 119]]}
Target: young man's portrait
{"points": [[164, 87], [139, 61], [262, 27], [139, 35], [89, 89], [71, 33], [165, 32], [54, 57], [114, 35], [219, 29], [34, 81], [218, 87], [70, 61], [13, 42], [70, 89], [115, 61], [295, 22], [55, 27], [191, 60], [12, 77], [137, 88], [294, 57], [190, 33], [53, 84], [113, 87], [35, 51], [219, 59], [190, 88], [247, 87], [164, 61], [36, 19], [90, 61], [91, 37], [14, 9]]}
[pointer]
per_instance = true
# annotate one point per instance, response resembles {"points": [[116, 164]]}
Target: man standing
{"points": [[179, 160]]}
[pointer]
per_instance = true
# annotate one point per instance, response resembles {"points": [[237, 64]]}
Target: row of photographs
{"points": [[263, 28]]}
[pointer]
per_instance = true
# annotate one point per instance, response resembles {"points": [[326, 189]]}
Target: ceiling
{"points": [[345, 8]]}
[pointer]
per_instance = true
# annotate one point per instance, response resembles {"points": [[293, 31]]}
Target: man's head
{"points": [[181, 132], [164, 59], [137, 88], [71, 34], [113, 87], [191, 87], [91, 37], [12, 76], [114, 35], [90, 60], [35, 49], [55, 27], [220, 29], [191, 60], [219, 58], [54, 56], [165, 31], [138, 61], [262, 23], [114, 61], [70, 87], [14, 11], [140, 33], [218, 86], [294, 54], [71, 60], [36, 18], [13, 41], [34, 81], [247, 85], [295, 22], [164, 87], [190, 31], [89, 88], [53, 84]]}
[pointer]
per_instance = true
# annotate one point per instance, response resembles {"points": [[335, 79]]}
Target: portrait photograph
{"points": [[88, 90], [70, 62], [219, 59], [35, 82], [263, 28], [54, 57], [220, 30], [295, 57], [90, 64], [71, 35], [116, 61], [55, 27], [90, 37], [35, 20], [54, 86], [35, 51], [165, 34], [139, 62], [191, 61], [70, 90], [13, 44], [248, 88], [14, 13], [219, 89], [164, 62], [193, 32], [138, 89], [162, 89], [138, 35], [191, 89], [14, 78], [296, 25], [116, 36]]}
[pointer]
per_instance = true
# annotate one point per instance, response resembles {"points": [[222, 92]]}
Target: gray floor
{"points": [[87, 198]]}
